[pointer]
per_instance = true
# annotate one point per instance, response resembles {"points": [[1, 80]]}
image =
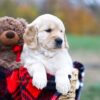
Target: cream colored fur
{"points": [[40, 56]]}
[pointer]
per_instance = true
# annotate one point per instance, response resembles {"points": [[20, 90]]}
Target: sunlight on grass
{"points": [[91, 92], [87, 43]]}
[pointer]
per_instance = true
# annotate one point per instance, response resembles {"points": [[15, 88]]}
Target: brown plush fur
{"points": [[16, 28]]}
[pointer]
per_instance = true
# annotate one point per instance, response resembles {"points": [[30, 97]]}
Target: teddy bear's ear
{"points": [[23, 22], [30, 36]]}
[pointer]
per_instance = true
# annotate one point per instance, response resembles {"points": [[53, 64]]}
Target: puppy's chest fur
{"points": [[52, 61], [57, 61]]}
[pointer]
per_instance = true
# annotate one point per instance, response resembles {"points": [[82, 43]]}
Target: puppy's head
{"points": [[46, 31]]}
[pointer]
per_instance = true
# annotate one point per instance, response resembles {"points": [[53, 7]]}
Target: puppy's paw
{"points": [[39, 81], [63, 86]]}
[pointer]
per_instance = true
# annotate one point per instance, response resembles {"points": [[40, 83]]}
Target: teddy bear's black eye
{"points": [[48, 30]]}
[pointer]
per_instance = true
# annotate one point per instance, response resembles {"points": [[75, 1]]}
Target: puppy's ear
{"points": [[30, 36], [66, 42]]}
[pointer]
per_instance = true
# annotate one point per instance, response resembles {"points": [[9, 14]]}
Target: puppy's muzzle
{"points": [[58, 42]]}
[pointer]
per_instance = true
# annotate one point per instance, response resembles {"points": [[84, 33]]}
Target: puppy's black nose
{"points": [[58, 42], [10, 35]]}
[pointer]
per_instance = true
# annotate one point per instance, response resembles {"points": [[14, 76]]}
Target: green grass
{"points": [[87, 43], [91, 92]]}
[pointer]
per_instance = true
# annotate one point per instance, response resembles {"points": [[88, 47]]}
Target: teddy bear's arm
{"points": [[15, 65], [3, 63], [11, 66]]}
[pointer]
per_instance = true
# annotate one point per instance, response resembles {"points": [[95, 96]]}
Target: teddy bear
{"points": [[11, 41]]}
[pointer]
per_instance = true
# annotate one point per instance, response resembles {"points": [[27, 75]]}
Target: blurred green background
{"points": [[82, 22]]}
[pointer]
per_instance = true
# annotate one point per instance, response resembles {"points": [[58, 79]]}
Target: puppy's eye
{"points": [[48, 30], [61, 31]]}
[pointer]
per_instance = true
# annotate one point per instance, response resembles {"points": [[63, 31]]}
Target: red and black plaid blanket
{"points": [[17, 85]]}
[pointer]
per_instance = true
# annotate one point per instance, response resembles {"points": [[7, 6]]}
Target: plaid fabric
{"points": [[17, 85], [6, 81]]}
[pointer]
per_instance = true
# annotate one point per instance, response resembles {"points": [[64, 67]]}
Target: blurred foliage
{"points": [[7, 8], [10, 8], [26, 12], [78, 20], [92, 92]]}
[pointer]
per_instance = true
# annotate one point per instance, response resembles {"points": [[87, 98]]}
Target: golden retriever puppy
{"points": [[46, 51]]}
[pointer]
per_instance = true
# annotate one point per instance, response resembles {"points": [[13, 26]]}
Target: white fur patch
{"points": [[46, 59]]}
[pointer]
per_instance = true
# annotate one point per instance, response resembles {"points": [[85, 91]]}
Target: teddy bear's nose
{"points": [[10, 35]]}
